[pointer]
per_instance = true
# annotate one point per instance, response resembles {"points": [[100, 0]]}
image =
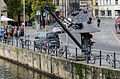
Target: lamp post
{"points": [[67, 38], [24, 17]]}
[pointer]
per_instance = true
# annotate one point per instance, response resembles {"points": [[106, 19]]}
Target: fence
{"points": [[100, 58]]}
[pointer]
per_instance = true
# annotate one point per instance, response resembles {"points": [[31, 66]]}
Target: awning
{"points": [[3, 18]]}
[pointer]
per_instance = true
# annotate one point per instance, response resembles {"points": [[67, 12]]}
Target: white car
{"points": [[58, 29]]}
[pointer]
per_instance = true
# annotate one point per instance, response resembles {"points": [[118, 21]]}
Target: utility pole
{"points": [[24, 17], [67, 38]]}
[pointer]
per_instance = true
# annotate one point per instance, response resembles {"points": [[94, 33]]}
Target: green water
{"points": [[12, 71]]}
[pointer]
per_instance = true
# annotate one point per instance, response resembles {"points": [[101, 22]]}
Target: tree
{"points": [[38, 5], [14, 8]]}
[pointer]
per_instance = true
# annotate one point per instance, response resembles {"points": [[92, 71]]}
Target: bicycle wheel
{"points": [[27, 42], [109, 60], [60, 52], [68, 53], [92, 59]]}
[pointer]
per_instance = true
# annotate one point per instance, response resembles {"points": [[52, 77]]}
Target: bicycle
{"points": [[25, 42], [62, 51], [110, 60]]}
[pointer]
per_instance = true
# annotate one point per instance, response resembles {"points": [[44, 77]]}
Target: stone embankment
{"points": [[56, 66]]}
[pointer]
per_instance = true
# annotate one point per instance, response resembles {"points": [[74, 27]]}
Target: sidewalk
{"points": [[107, 34]]}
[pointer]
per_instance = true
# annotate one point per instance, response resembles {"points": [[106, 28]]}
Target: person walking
{"points": [[98, 22]]}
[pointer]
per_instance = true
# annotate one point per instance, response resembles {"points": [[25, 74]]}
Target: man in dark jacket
{"points": [[98, 22]]}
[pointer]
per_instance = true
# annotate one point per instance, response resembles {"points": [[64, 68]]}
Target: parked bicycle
{"points": [[110, 60], [25, 42], [62, 51]]}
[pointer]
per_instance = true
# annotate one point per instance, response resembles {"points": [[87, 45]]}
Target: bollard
{"points": [[76, 54], [55, 50], [65, 52], [100, 58], [114, 60]]}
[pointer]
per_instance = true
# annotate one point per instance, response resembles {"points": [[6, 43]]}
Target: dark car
{"points": [[85, 11], [52, 39], [47, 38]]}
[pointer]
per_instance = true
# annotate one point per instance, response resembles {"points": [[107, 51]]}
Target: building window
{"points": [[102, 12], [109, 2], [106, 2], [116, 2], [117, 12], [96, 12], [103, 2], [96, 3], [109, 12], [57, 1]]}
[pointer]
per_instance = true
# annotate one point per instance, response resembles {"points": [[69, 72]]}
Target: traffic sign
{"points": [[45, 13], [38, 12]]}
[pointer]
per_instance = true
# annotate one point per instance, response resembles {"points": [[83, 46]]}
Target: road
{"points": [[105, 40]]}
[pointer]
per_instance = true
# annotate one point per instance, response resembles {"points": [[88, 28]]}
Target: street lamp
{"points": [[24, 16], [67, 38]]}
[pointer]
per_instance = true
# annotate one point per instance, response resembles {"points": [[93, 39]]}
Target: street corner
{"points": [[117, 34]]}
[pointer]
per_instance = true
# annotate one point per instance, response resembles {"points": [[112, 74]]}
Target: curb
{"points": [[116, 35]]}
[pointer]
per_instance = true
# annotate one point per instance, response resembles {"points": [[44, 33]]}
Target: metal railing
{"points": [[101, 58]]}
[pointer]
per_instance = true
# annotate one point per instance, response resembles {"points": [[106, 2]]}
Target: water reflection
{"points": [[12, 71]]}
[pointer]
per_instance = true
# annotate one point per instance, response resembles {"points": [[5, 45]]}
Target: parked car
{"points": [[85, 11], [45, 38], [57, 28]]}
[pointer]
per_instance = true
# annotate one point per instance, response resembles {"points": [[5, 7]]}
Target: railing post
{"points": [[8, 41], [76, 54], [114, 60], [65, 52], [34, 45], [100, 58], [55, 50], [86, 53], [48, 48], [17, 41], [41, 49], [12, 40], [28, 45]]}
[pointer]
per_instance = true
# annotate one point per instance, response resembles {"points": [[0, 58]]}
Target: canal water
{"points": [[12, 71]]}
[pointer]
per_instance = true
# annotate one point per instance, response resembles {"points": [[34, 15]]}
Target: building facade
{"points": [[3, 8], [95, 8], [60, 5], [109, 8]]}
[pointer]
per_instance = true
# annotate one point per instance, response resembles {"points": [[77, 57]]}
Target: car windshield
{"points": [[51, 35], [57, 26]]}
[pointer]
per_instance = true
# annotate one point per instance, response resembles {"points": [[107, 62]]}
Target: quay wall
{"points": [[57, 66]]}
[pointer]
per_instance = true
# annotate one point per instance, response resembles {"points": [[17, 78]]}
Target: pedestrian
{"points": [[116, 28], [98, 22], [90, 19]]}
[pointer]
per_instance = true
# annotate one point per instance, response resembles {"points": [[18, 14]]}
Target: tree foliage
{"points": [[38, 5], [14, 7]]}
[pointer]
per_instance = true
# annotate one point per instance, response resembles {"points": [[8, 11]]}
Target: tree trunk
{"points": [[19, 20], [43, 20]]}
